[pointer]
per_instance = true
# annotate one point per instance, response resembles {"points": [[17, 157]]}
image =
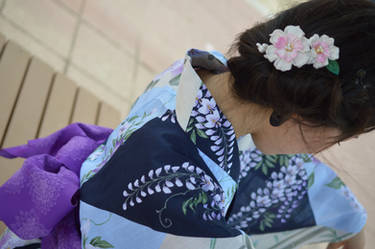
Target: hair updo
{"points": [[345, 101]]}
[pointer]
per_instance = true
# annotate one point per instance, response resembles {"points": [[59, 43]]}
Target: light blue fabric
{"points": [[116, 230], [334, 207]]}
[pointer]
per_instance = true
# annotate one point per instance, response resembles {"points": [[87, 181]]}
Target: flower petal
{"points": [[282, 65], [334, 53], [314, 39], [295, 30], [271, 53], [275, 35], [301, 59]]}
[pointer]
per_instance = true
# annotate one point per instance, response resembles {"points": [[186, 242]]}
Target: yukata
{"points": [[174, 166]]}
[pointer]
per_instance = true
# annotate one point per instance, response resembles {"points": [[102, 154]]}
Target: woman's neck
{"points": [[245, 117]]}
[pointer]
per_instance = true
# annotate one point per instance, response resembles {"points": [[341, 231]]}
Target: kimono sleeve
{"points": [[158, 179]]}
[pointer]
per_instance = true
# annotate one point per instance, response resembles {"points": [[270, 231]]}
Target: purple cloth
{"points": [[41, 199]]}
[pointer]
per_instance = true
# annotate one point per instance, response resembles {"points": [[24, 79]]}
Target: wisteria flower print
{"points": [[174, 180], [209, 123], [282, 193]]}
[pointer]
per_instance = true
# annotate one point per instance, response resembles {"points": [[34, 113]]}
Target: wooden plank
{"points": [[86, 107], [59, 106], [108, 116], [13, 65], [28, 111], [30, 105]]}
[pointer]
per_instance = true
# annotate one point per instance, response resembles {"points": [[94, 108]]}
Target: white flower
{"points": [[207, 183], [263, 201], [322, 49], [291, 170], [290, 179], [289, 47], [279, 185], [213, 119], [208, 105], [198, 97]]}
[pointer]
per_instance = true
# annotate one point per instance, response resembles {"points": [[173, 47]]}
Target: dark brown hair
{"points": [[345, 101]]}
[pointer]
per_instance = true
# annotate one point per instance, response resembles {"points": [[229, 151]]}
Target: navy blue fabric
{"points": [[155, 144]]}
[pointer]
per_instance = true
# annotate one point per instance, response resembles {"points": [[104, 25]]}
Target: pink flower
{"points": [[322, 49], [289, 47]]}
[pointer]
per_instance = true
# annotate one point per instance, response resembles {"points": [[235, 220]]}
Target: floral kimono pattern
{"points": [[175, 166]]}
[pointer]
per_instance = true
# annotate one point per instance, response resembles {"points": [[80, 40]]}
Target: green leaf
{"points": [[191, 206], [152, 84], [333, 66], [268, 223], [264, 169], [336, 183], [191, 120], [184, 205], [101, 243], [204, 198], [272, 216], [269, 164], [311, 179], [272, 158], [199, 200], [175, 80], [261, 226], [193, 137], [114, 142], [284, 160], [132, 118], [267, 218], [281, 160], [201, 133], [97, 238], [258, 165]]}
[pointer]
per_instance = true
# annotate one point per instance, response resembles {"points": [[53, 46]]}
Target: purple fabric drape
{"points": [[41, 199]]}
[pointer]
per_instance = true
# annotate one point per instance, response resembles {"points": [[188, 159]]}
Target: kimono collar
{"points": [[190, 83]]}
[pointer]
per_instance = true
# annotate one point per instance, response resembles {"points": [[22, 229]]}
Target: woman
{"points": [[216, 147]]}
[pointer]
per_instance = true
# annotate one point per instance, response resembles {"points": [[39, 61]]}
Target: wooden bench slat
{"points": [[86, 107], [13, 65], [28, 111], [30, 105], [108, 116], [59, 106]]}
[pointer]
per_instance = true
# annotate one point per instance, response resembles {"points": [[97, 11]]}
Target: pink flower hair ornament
{"points": [[291, 47]]}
